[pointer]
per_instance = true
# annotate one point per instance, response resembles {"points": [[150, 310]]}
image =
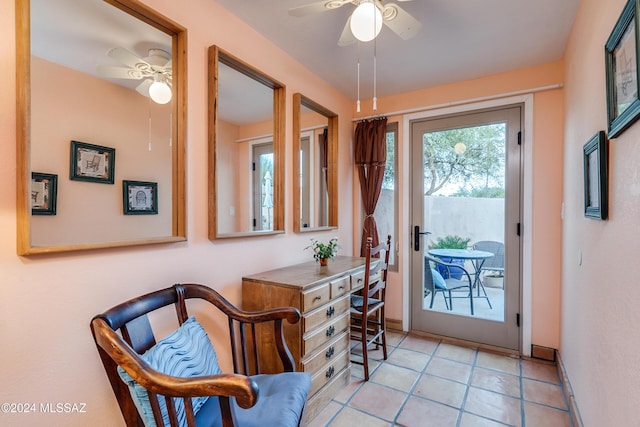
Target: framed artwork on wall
{"points": [[92, 163], [44, 193], [140, 197], [621, 58], [596, 199]]}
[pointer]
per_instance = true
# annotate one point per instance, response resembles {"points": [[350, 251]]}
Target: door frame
{"points": [[527, 207]]}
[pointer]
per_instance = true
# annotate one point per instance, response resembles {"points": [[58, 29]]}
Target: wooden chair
{"points": [[368, 324], [123, 333]]}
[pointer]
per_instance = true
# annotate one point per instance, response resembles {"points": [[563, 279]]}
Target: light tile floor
{"points": [[426, 383]]}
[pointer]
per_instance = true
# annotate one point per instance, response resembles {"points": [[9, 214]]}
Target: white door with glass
{"points": [[465, 216]]}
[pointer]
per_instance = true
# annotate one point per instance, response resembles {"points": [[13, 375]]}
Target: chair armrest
{"points": [[449, 265], [241, 387]]}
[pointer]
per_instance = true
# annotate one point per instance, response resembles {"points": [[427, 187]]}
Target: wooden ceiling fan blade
{"points": [[126, 57], [119, 72], [316, 7], [143, 88], [347, 37], [400, 22]]}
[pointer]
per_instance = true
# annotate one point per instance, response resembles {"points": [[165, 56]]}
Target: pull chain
{"points": [[358, 102], [149, 127]]}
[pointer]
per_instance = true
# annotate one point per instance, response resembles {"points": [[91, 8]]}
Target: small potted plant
{"points": [[323, 252], [451, 242]]}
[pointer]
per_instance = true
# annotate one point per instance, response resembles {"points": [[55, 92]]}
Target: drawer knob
{"points": [[359, 280], [329, 353], [341, 287], [330, 331], [317, 298], [330, 311], [330, 372]]}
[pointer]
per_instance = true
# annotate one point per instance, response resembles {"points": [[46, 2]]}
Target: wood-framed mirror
{"points": [[246, 149], [315, 151], [90, 121]]}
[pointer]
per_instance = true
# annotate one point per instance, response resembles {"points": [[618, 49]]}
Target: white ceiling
{"points": [[459, 40]]}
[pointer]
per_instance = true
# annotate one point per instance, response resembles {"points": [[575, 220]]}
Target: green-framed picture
{"points": [[621, 55], [44, 193], [596, 196], [93, 163], [140, 197]]}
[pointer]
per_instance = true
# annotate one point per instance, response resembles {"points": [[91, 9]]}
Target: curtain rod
{"points": [[467, 101]]}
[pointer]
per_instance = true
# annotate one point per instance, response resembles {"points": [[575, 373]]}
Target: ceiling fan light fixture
{"points": [[159, 91], [366, 21]]}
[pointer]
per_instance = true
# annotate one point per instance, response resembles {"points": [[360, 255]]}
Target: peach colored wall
{"points": [[69, 105], [600, 315], [547, 174], [46, 302]]}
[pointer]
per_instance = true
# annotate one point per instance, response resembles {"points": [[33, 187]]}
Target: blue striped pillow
{"points": [[438, 280], [186, 352]]}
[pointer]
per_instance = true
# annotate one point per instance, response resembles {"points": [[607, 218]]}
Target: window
{"points": [[387, 208]]}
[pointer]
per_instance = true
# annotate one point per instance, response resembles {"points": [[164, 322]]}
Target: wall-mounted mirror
{"points": [[246, 157], [315, 148], [101, 125]]}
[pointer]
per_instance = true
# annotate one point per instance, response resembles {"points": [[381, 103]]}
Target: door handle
{"points": [[416, 237]]}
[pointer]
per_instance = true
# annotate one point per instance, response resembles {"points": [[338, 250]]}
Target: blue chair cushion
{"points": [[186, 352], [357, 301], [281, 399], [438, 280]]}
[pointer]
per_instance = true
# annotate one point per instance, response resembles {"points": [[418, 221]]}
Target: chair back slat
{"points": [[243, 345], [138, 334], [254, 343]]}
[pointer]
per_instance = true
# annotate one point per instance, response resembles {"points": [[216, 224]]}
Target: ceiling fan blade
{"points": [[317, 7], [119, 72], [401, 22], [143, 88], [347, 37], [126, 57]]}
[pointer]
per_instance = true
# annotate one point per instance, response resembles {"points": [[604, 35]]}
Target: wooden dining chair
{"points": [[177, 381], [368, 323]]}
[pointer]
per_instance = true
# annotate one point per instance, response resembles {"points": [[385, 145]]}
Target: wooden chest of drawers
{"points": [[319, 343]]}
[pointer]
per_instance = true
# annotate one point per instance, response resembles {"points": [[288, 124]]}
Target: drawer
{"points": [[357, 280], [315, 297], [340, 286], [324, 334], [323, 314], [331, 370], [326, 354]]}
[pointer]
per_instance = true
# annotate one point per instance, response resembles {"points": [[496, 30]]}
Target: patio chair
{"points": [[434, 282]]}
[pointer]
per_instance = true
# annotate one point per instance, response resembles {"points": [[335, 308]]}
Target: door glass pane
{"points": [[385, 213], [464, 207], [263, 187]]}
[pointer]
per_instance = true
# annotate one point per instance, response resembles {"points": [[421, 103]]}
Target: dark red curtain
{"points": [[325, 153], [370, 158]]}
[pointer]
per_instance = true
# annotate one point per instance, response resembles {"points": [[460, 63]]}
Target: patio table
{"points": [[467, 254]]}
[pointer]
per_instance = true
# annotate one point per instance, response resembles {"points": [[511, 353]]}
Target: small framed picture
{"points": [[621, 51], [92, 163], [595, 177], [140, 198], [44, 193]]}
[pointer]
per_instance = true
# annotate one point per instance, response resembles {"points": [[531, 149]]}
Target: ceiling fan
{"points": [[393, 16], [155, 69]]}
